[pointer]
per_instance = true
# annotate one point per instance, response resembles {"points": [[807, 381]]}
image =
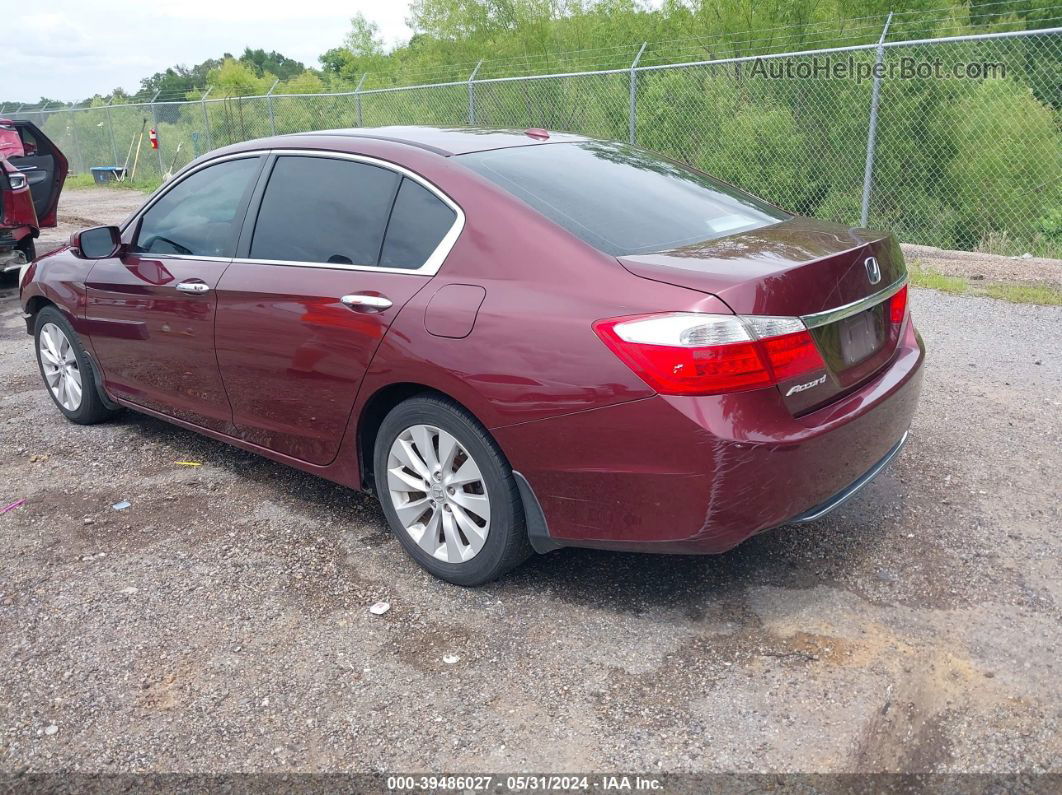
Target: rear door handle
{"points": [[193, 287], [366, 303]]}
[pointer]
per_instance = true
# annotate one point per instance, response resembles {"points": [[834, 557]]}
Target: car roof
{"points": [[451, 140]]}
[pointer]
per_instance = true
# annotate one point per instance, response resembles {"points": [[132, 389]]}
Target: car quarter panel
{"points": [[532, 352], [702, 474]]}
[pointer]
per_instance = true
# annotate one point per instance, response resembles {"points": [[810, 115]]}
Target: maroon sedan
{"points": [[518, 341]]}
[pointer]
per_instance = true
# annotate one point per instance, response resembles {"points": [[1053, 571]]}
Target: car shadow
{"points": [[797, 557]]}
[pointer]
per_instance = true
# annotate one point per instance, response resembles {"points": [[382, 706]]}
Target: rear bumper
{"points": [[702, 474], [849, 491]]}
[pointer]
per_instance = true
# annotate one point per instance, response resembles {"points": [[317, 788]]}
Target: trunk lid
{"points": [[804, 268]]}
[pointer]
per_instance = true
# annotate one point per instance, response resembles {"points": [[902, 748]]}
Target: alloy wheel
{"points": [[438, 493], [59, 363]]}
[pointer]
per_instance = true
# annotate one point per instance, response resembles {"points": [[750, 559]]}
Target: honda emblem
{"points": [[873, 271]]}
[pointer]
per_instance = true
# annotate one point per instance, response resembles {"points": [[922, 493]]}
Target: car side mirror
{"points": [[99, 242]]}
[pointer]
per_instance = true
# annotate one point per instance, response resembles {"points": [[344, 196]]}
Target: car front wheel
{"points": [[67, 370], [448, 492]]}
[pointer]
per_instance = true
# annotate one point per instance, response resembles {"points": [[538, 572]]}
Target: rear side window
{"points": [[325, 210], [419, 222], [620, 199], [201, 214]]}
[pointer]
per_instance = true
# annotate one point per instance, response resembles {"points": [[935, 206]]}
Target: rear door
{"points": [[338, 245], [45, 168], [151, 312]]}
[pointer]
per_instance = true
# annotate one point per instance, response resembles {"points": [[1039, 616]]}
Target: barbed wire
{"points": [[864, 29]]}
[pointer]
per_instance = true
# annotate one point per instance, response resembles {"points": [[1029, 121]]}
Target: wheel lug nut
{"points": [[438, 476]]}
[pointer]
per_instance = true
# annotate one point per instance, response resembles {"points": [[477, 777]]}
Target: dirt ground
{"points": [[82, 207], [221, 623]]}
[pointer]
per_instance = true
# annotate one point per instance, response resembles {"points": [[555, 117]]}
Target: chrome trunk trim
{"points": [[839, 313]]}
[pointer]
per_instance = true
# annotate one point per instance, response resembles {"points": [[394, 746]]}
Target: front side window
{"points": [[621, 199], [201, 214], [327, 210]]}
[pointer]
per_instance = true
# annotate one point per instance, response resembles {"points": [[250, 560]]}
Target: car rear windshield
{"points": [[621, 199]]}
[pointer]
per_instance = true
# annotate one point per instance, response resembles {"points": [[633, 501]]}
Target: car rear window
{"points": [[621, 199]]}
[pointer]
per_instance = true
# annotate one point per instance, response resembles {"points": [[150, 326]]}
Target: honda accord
{"points": [[517, 340]]}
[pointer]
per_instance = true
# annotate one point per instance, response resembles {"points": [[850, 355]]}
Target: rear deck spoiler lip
{"points": [[855, 307]]}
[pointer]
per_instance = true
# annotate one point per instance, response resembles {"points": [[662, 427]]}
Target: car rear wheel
{"points": [[67, 370], [448, 492]]}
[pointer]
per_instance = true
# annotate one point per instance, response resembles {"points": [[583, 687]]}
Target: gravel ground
{"points": [[989, 267], [221, 623], [82, 207]]}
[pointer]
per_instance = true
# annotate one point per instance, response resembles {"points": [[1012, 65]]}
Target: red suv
{"points": [[517, 341], [32, 172]]}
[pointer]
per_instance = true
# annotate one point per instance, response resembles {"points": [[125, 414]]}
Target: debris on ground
{"points": [[379, 608], [12, 506]]}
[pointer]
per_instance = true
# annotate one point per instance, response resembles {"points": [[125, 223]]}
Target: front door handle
{"points": [[193, 287], [366, 303]]}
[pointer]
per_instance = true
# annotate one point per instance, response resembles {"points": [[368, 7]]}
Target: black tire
{"points": [[28, 248], [92, 409], [29, 251], [506, 545]]}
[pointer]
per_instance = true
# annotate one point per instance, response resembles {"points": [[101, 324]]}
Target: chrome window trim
{"points": [[431, 264], [342, 266], [841, 312], [429, 268], [151, 255]]}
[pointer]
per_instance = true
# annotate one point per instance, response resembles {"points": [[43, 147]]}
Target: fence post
{"points": [[110, 128], [77, 140], [155, 126], [269, 100], [357, 98], [206, 118], [472, 95], [634, 95], [872, 132]]}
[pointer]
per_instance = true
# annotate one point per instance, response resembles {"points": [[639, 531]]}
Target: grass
{"points": [[86, 181], [957, 285], [1024, 294], [937, 281]]}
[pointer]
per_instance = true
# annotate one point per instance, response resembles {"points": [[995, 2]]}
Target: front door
{"points": [[151, 312], [334, 252]]}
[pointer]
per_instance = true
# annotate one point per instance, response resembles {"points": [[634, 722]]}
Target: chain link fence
{"points": [[960, 148]]}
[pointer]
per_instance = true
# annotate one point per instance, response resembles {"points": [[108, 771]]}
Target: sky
{"points": [[69, 50]]}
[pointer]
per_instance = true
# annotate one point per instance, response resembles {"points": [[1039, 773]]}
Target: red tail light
{"points": [[686, 353], [898, 306]]}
